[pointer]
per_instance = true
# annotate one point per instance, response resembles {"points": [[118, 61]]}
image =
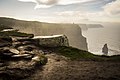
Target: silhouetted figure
{"points": [[105, 49]]}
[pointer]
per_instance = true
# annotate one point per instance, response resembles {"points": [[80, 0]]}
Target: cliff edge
{"points": [[72, 31]]}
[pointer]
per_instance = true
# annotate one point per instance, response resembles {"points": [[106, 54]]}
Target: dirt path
{"points": [[54, 61], [58, 68]]}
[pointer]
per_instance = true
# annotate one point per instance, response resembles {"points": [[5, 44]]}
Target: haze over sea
{"points": [[97, 37]]}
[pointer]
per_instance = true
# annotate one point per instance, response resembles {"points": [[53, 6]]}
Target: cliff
{"points": [[22, 59], [52, 41], [87, 26], [72, 31]]}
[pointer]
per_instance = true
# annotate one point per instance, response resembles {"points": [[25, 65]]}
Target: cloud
{"points": [[75, 14], [50, 3], [82, 16], [112, 8], [110, 12]]}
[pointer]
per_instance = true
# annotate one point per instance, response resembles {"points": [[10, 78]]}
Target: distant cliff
{"points": [[72, 31], [87, 26]]}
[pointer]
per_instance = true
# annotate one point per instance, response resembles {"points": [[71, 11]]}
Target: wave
{"points": [[111, 52]]}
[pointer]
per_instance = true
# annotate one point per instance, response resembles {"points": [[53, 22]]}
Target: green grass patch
{"points": [[43, 60], [6, 34], [76, 54]]}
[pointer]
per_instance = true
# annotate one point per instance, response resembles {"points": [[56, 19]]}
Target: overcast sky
{"points": [[76, 11]]}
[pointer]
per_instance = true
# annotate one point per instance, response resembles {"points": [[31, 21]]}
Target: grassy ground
{"points": [[12, 33], [76, 54]]}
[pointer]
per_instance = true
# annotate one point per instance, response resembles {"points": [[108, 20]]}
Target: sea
{"points": [[108, 34]]}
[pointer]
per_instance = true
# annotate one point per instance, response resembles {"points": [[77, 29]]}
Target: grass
{"points": [[6, 34], [43, 60], [76, 54], [14, 33]]}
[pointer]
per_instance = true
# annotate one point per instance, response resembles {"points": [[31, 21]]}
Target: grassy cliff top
{"points": [[4, 34], [76, 54]]}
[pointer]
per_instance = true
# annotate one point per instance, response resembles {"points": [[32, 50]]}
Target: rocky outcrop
{"points": [[52, 41], [72, 31], [20, 59]]}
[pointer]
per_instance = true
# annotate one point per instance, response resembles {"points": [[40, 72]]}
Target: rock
{"points": [[27, 48], [14, 39], [27, 52], [16, 44], [5, 44], [15, 51], [9, 39], [38, 52], [36, 58], [5, 41], [6, 30], [47, 51], [52, 41], [21, 48], [28, 56], [1, 64], [105, 49], [40, 59], [26, 42], [41, 52], [7, 54], [4, 50]]}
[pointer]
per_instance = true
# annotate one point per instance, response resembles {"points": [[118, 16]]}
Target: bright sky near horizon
{"points": [[73, 11]]}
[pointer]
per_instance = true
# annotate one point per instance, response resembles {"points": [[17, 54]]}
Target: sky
{"points": [[62, 11]]}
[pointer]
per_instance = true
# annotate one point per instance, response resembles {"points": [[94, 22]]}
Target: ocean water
{"points": [[97, 37]]}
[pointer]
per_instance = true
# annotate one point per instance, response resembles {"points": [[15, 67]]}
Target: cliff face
{"points": [[52, 41], [87, 26], [72, 31]]}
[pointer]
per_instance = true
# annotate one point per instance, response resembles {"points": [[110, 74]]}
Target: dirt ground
{"points": [[59, 68]]}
